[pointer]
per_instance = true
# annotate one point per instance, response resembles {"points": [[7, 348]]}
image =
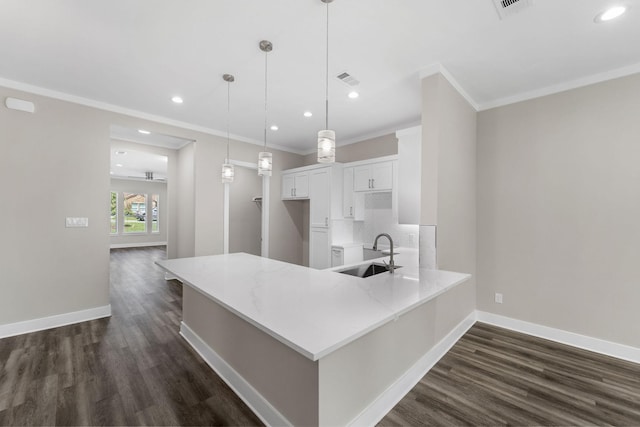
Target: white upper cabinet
{"points": [[295, 185], [348, 208], [373, 177], [320, 207]]}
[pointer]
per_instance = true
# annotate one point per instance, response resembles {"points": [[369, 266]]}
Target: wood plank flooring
{"points": [[135, 369], [493, 376], [130, 369]]}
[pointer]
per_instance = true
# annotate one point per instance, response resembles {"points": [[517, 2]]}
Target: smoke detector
{"points": [[506, 8]]}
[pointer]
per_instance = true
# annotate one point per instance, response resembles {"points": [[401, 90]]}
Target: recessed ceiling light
{"points": [[611, 13], [177, 100], [308, 114], [353, 95], [110, 172], [274, 127], [120, 153], [144, 132], [119, 165]]}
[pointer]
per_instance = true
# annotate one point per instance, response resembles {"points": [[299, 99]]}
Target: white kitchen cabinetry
{"points": [[373, 177], [319, 247], [348, 208], [295, 185], [350, 253], [320, 189]]}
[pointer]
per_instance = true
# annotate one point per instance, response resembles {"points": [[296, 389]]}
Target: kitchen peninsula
{"points": [[316, 347]]}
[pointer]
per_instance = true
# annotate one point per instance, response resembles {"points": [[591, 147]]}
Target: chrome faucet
{"points": [[391, 265]]}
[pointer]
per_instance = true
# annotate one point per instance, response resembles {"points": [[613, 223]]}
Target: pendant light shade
{"points": [[326, 146], [228, 172], [265, 158], [327, 137]]}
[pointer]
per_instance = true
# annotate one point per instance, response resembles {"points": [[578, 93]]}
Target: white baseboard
{"points": [[249, 395], [620, 351], [136, 245], [56, 321], [390, 397]]}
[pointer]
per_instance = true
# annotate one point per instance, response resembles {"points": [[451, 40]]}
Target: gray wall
{"points": [[386, 145], [245, 216], [209, 199], [448, 186], [558, 210], [55, 164]]}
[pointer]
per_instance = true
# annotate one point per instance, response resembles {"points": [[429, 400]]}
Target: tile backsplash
{"points": [[379, 217]]}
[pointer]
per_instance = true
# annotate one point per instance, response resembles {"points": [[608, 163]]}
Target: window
{"points": [[135, 207], [114, 212], [154, 210]]}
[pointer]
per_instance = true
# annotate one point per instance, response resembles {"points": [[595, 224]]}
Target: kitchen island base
{"points": [[356, 384]]}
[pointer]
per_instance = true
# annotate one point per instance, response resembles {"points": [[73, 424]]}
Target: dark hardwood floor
{"points": [[493, 376], [135, 369], [130, 369]]}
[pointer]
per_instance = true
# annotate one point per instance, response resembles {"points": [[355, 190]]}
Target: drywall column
{"points": [[448, 184], [186, 236]]}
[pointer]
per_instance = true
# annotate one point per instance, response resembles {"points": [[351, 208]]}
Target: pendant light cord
{"points": [[228, 115], [327, 75], [265, 101]]}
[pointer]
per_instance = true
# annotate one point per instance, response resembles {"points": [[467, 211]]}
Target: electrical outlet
{"points": [[498, 298]]}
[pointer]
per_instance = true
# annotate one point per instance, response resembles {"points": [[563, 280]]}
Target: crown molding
{"points": [[439, 68], [62, 96], [563, 87]]}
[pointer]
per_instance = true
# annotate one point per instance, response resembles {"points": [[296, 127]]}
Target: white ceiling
{"points": [[138, 54], [133, 164]]}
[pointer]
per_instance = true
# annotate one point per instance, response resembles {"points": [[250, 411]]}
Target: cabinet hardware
{"points": [[292, 192], [326, 221], [295, 192], [373, 183], [351, 210]]}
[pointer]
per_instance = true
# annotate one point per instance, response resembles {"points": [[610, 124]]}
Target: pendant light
{"points": [[327, 137], [228, 172], [265, 158]]}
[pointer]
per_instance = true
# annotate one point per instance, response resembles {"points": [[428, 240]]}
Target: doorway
{"points": [[246, 211]]}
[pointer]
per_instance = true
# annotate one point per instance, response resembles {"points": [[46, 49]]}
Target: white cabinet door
{"points": [[337, 257], [319, 192], [319, 248], [295, 185], [382, 176], [362, 178], [347, 193], [301, 189], [373, 177], [288, 184]]}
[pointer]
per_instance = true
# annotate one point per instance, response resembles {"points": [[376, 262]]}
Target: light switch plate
{"points": [[77, 222]]}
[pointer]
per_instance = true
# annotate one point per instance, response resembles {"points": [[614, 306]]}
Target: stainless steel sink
{"points": [[367, 270]]}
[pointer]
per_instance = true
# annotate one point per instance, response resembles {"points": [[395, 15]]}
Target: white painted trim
{"points": [[266, 197], [439, 68], [225, 218], [563, 87], [55, 321], [244, 164], [37, 90], [135, 245], [391, 396], [249, 395], [620, 351]]}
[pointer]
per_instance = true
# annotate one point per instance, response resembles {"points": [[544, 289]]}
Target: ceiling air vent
{"points": [[506, 8], [348, 79]]}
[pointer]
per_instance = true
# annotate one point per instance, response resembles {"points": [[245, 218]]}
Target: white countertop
{"points": [[312, 311]]}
